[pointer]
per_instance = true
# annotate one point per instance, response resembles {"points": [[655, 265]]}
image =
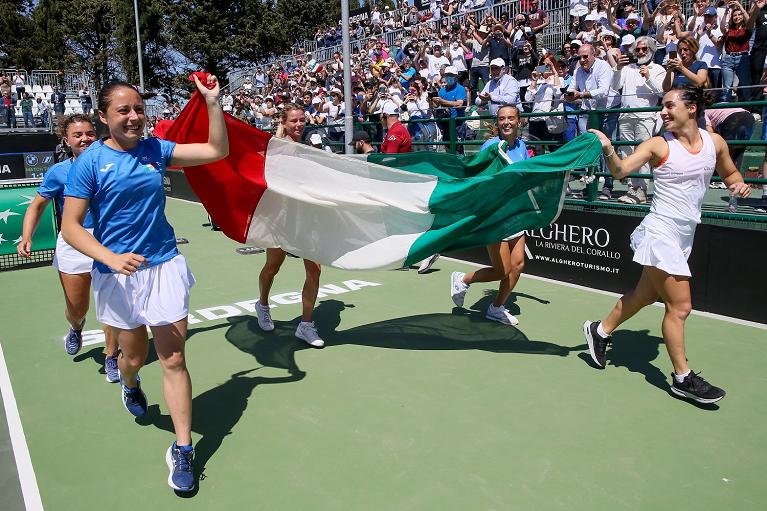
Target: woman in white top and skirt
{"points": [[683, 160]]}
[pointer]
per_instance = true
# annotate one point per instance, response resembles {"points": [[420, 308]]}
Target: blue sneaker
{"points": [[110, 367], [180, 463], [134, 399], [73, 341]]}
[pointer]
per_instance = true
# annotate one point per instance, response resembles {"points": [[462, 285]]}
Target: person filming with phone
{"points": [[641, 81]]}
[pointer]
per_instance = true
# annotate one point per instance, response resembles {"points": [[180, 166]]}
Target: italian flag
{"points": [[375, 212]]}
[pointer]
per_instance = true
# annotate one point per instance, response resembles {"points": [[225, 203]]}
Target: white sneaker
{"points": [[264, 315], [501, 315], [426, 263], [458, 288], [308, 333]]}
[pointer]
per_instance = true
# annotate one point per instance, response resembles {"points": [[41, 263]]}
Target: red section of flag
{"points": [[230, 188]]}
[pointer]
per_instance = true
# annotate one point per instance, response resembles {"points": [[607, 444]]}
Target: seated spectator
{"points": [[501, 89]]}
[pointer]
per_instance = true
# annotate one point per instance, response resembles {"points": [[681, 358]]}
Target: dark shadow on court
{"points": [[216, 412], [636, 350], [96, 354], [461, 330]]}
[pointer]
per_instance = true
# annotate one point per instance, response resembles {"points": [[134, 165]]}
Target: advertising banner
{"points": [[13, 205]]}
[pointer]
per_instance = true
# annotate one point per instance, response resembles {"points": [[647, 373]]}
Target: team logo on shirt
{"points": [[149, 165], [106, 167]]}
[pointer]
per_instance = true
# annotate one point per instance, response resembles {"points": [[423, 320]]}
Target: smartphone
{"points": [[672, 54], [631, 58], [541, 69]]}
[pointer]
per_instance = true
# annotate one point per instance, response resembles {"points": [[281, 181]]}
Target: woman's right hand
{"points": [[602, 138], [24, 248], [125, 264]]}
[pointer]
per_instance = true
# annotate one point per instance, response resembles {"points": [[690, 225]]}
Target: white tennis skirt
{"points": [[664, 243], [514, 236], [68, 260], [154, 296]]}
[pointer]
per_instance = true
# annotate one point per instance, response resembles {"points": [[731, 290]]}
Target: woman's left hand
{"points": [[210, 89], [740, 189]]}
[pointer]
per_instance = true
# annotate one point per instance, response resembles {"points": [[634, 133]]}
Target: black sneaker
{"points": [[696, 388], [597, 343]]}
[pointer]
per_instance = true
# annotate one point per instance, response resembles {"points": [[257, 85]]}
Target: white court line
{"points": [[187, 201], [27, 478], [704, 314]]}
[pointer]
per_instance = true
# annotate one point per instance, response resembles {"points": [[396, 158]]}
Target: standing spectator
{"points": [[59, 101], [453, 97], [227, 102], [537, 19], [18, 81], [86, 102], [8, 105], [543, 91], [260, 79], [642, 86], [434, 61], [397, 139], [417, 105], [26, 111], [43, 110], [759, 49], [684, 69], [737, 35], [501, 89], [499, 44], [590, 86]]}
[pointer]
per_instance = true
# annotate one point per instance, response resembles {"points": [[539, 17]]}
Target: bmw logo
{"points": [[31, 159]]}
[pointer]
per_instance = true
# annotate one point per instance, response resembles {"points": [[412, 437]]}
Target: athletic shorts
{"points": [[663, 243], [154, 296], [68, 260]]}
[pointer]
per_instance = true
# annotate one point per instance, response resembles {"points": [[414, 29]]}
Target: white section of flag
{"points": [[346, 212]]}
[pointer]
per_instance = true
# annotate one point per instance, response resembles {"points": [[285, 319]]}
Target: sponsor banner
{"points": [[37, 164], [584, 248], [13, 205], [359, 14], [12, 166]]}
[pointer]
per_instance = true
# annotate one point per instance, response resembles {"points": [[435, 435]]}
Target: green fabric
{"points": [[483, 199]]}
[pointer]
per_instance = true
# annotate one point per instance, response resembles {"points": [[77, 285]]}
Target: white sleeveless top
{"points": [[682, 178]]}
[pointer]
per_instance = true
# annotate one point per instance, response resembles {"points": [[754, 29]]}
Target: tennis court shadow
{"points": [[215, 413], [96, 354], [461, 330]]}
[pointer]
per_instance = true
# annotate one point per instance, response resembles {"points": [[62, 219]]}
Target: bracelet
{"points": [[612, 153]]}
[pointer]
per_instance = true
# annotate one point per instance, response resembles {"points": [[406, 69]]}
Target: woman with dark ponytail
{"points": [[139, 277], [683, 160]]}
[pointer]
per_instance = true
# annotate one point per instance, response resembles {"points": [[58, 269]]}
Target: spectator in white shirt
{"points": [[502, 89], [641, 81], [591, 83], [42, 110]]}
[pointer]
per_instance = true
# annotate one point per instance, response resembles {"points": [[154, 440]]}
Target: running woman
{"points": [[77, 132], [139, 278], [683, 158], [291, 128], [508, 255]]}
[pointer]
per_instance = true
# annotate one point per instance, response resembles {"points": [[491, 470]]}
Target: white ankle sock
{"points": [[601, 331], [680, 377]]}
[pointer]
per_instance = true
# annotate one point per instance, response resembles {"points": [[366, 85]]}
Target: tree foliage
{"points": [[99, 38]]}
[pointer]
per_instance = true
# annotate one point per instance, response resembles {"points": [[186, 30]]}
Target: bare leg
{"points": [[500, 258], [134, 346], [516, 264], [311, 289], [169, 341], [111, 341], [77, 290], [632, 302], [675, 292], [274, 259]]}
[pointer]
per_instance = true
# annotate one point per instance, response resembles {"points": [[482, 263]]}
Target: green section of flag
{"points": [[13, 205], [484, 199]]}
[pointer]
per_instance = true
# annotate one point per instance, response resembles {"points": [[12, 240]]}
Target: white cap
{"points": [[166, 111], [576, 42], [498, 62], [390, 108], [592, 17], [315, 139], [316, 100], [610, 33], [450, 70], [632, 16], [628, 40]]}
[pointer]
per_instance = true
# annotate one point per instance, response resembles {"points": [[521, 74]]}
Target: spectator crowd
{"points": [[617, 55]]}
